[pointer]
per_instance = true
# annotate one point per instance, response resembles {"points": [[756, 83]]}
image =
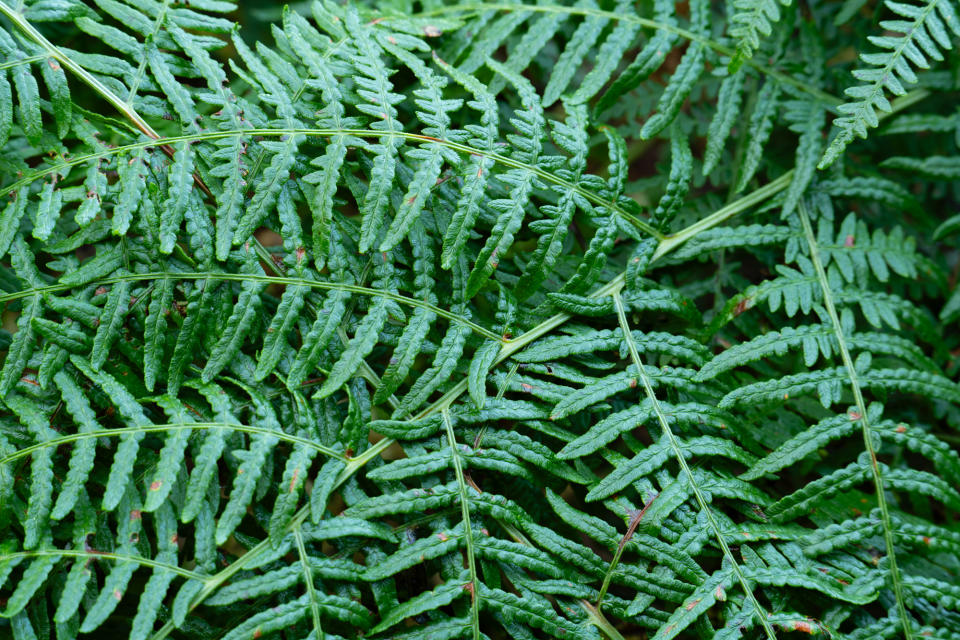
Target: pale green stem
{"points": [[15, 63], [103, 555], [597, 620], [245, 277], [468, 530], [685, 468], [54, 52], [192, 426], [506, 161], [138, 79], [864, 420], [752, 199], [308, 578]]}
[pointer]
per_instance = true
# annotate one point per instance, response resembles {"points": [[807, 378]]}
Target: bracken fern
{"points": [[428, 320]]}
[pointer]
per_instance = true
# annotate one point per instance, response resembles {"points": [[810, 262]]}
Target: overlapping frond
{"points": [[919, 35], [425, 321]]}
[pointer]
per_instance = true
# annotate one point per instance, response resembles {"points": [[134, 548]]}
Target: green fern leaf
{"points": [[681, 170], [321, 332], [532, 613], [6, 108], [753, 19], [28, 92], [48, 211], [587, 33], [159, 582], [239, 323], [935, 167], [250, 469], [83, 456], [426, 601], [117, 581], [528, 145], [608, 57], [41, 471], [295, 475], [683, 79], [924, 32], [188, 336], [155, 333], [283, 321], [30, 582], [571, 135], [761, 122], [649, 59], [22, 344], [131, 412], [729, 100], [364, 338]]}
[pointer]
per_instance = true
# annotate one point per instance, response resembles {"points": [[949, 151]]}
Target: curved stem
{"points": [[506, 161], [103, 555], [66, 62], [197, 426], [246, 277], [674, 240]]}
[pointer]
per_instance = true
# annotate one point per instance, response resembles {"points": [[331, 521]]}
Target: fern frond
{"points": [[752, 20], [925, 30], [683, 79], [336, 328]]}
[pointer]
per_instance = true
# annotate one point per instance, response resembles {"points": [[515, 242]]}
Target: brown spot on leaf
{"points": [[293, 480], [742, 306], [804, 626]]}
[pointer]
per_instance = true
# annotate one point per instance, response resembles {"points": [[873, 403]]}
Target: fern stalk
{"points": [[308, 580], [102, 555], [166, 142], [98, 87], [163, 428], [252, 277], [702, 503], [888, 536], [467, 529]]}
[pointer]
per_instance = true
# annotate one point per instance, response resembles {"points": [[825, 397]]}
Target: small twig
{"points": [[634, 523]]}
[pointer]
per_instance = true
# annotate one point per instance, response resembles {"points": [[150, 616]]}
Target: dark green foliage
{"points": [[424, 320]]}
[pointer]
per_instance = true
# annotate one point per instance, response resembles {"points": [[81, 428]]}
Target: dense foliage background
{"points": [[422, 320]]}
